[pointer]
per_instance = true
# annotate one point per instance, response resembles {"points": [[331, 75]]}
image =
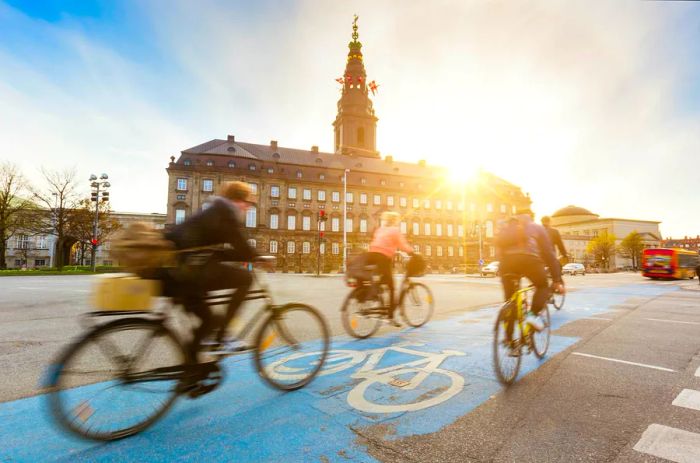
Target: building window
{"points": [[252, 167], [428, 250], [306, 194], [460, 251], [273, 247], [349, 197], [450, 251], [299, 174], [22, 242], [270, 170], [274, 191], [426, 229], [291, 247], [416, 248], [382, 182], [322, 248], [438, 204], [335, 248], [322, 226], [403, 201], [305, 247], [321, 195], [449, 229], [438, 229], [321, 176], [460, 230], [335, 196], [489, 229], [274, 221], [416, 228], [426, 203], [514, 209], [403, 227], [179, 216], [363, 225], [291, 222], [188, 162], [335, 224], [41, 242], [390, 201], [252, 243], [207, 184], [503, 208], [416, 203], [363, 180], [210, 163], [438, 251], [292, 192], [251, 217], [182, 184], [181, 197], [253, 188], [363, 198], [377, 200], [348, 224], [448, 205], [489, 207], [231, 165], [361, 137], [306, 222]]}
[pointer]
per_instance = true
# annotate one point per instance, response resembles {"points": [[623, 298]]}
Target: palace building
{"points": [[453, 226]]}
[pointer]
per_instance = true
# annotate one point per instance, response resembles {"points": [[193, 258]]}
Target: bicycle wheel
{"points": [[100, 387], [540, 339], [558, 300], [360, 313], [417, 304], [291, 346], [507, 346]]}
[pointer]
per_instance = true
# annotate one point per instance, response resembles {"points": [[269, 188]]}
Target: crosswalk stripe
{"points": [[670, 443], [688, 398]]}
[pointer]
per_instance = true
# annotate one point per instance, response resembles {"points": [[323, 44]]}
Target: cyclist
{"points": [[219, 224], [386, 240], [524, 249], [555, 238]]}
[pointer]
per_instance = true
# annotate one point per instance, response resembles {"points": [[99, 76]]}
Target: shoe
{"points": [[535, 322], [391, 321], [513, 352]]}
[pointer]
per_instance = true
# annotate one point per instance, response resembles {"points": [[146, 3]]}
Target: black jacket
{"points": [[216, 225], [556, 241]]}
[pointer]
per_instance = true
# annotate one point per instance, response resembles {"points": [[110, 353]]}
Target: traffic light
{"points": [[322, 216], [93, 196], [94, 242]]}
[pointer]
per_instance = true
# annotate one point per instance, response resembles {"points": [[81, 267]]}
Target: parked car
{"points": [[573, 269], [490, 269]]}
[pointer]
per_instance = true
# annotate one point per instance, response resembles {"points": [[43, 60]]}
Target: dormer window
{"points": [[210, 163], [232, 164], [276, 155], [382, 182], [299, 174], [321, 176], [363, 180], [319, 161], [252, 167], [231, 149], [270, 170], [188, 162]]}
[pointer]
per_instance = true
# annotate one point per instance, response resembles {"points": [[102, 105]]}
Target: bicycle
{"points": [[121, 376], [395, 375], [512, 334], [368, 304]]}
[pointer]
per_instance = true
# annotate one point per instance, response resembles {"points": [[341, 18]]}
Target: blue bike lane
{"points": [[438, 373]]}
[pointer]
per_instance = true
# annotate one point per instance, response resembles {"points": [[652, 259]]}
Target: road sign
{"points": [[481, 262]]}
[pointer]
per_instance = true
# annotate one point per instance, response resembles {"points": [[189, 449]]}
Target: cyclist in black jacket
{"points": [[219, 224]]}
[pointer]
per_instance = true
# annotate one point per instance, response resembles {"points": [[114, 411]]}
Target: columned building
{"points": [[451, 225]]}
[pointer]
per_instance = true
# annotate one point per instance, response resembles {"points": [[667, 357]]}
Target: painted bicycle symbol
{"points": [[415, 373]]}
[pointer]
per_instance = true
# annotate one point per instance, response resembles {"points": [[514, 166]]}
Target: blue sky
{"points": [[593, 104]]}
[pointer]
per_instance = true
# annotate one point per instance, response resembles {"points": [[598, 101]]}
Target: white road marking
{"points": [[597, 318], [688, 398], [697, 372], [625, 362], [670, 443], [672, 321], [31, 288]]}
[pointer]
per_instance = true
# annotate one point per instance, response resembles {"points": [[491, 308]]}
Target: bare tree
{"points": [[15, 209], [59, 196], [81, 220]]}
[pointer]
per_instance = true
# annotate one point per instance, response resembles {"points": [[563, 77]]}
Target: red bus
{"points": [[669, 263]]}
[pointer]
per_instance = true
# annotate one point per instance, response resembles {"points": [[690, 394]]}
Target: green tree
{"points": [[602, 248], [631, 247], [16, 211]]}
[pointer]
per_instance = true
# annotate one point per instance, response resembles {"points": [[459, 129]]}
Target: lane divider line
{"points": [[672, 321], [669, 443], [688, 398], [597, 318], [625, 362]]}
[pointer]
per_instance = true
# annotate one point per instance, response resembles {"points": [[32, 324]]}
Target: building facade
{"points": [[689, 243], [578, 226], [451, 225]]}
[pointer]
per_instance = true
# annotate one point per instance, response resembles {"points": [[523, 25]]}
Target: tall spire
{"points": [[355, 125]]}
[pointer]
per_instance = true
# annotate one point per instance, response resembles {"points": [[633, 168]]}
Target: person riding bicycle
{"points": [[555, 238], [200, 272], [386, 240], [524, 249]]}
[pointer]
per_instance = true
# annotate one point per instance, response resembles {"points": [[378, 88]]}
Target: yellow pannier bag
{"points": [[124, 291]]}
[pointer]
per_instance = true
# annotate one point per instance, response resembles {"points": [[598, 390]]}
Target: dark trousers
{"points": [[215, 276], [384, 268], [531, 267]]}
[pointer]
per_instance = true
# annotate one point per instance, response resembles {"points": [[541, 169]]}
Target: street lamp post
{"points": [[98, 185], [345, 219]]}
